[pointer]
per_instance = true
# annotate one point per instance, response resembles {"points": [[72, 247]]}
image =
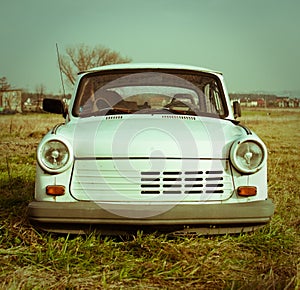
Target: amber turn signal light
{"points": [[55, 190], [247, 190]]}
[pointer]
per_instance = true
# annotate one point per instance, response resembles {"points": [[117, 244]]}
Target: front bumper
{"points": [[84, 217]]}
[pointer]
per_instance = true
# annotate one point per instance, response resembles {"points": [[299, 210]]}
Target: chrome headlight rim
{"points": [[40, 157], [237, 145]]}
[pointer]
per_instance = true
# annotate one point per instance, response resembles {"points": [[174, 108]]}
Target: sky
{"points": [[255, 43]]}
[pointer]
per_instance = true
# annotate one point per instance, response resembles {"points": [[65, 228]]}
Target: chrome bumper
{"points": [[82, 217]]}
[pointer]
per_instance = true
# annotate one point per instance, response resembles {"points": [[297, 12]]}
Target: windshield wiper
{"points": [[115, 111], [180, 112], [105, 112]]}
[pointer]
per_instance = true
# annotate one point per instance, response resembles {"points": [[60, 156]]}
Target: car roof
{"points": [[150, 66]]}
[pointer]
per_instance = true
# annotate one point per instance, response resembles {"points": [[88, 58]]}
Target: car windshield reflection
{"points": [[149, 93]]}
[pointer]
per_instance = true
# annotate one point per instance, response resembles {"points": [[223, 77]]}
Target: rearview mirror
{"points": [[237, 109], [54, 106]]}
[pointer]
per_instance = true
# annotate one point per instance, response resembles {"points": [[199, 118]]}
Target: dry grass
{"points": [[266, 259]]}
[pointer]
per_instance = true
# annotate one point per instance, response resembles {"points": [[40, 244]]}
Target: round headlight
{"points": [[248, 155], [54, 156]]}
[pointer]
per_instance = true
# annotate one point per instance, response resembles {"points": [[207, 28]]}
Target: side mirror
{"points": [[54, 106], [237, 109]]}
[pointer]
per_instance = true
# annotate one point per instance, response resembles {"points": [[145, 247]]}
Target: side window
{"points": [[213, 99]]}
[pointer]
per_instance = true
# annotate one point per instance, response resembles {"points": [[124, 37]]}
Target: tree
{"points": [[82, 57], [4, 85]]}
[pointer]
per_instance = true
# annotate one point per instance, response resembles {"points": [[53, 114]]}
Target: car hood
{"points": [[151, 136]]}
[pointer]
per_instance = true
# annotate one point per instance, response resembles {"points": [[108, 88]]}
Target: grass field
{"points": [[265, 259]]}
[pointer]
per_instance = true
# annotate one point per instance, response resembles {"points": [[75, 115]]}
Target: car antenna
{"points": [[60, 70]]}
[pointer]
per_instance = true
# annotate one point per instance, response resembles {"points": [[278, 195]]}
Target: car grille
{"points": [[131, 180], [188, 182]]}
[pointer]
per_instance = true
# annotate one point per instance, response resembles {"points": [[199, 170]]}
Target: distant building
{"points": [[266, 101], [34, 105], [11, 101], [285, 102], [247, 102], [261, 103]]}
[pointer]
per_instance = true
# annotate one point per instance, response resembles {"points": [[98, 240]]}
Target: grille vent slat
{"points": [[150, 192], [194, 179], [193, 172], [194, 192], [150, 173], [172, 192], [188, 182], [214, 191], [171, 173], [193, 185], [150, 179], [213, 178]]}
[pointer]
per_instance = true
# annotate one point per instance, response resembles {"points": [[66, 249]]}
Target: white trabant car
{"points": [[150, 147]]}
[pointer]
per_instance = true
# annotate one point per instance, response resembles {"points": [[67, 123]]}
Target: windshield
{"points": [[149, 92]]}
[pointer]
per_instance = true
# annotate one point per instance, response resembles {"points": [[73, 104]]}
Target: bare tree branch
{"points": [[83, 57], [4, 85]]}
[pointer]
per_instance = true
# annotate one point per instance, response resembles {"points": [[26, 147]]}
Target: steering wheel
{"points": [[103, 104]]}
